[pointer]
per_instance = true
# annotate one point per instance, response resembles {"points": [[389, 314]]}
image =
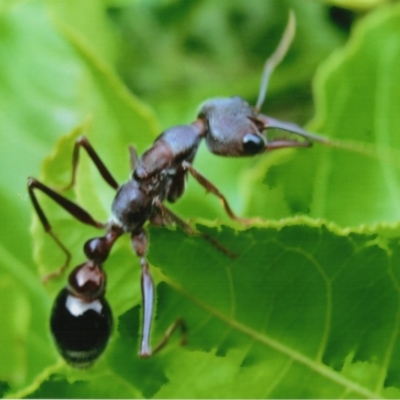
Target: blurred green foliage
{"points": [[308, 309]]}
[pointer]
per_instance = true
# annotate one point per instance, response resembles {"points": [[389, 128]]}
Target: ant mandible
{"points": [[81, 319]]}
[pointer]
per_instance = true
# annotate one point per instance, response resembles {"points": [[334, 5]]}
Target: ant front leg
{"points": [[76, 211], [82, 141], [140, 245], [211, 188]]}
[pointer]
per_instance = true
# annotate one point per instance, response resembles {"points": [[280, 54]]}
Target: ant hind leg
{"points": [[168, 218], [76, 211], [140, 244]]}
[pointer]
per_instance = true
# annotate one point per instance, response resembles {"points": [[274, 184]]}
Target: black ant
{"points": [[81, 319]]}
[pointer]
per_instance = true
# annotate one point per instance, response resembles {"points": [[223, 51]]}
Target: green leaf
{"points": [[300, 297], [47, 89], [356, 181], [359, 5], [306, 309]]}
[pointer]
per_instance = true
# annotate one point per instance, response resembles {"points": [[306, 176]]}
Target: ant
{"points": [[81, 319]]}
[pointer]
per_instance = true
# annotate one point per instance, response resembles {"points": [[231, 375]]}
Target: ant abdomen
{"points": [[80, 328]]}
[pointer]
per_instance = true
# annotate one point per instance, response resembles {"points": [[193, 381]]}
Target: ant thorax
{"points": [[131, 206], [173, 146], [159, 172]]}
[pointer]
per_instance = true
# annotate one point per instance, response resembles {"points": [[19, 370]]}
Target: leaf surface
{"points": [[301, 311], [357, 98], [307, 309]]}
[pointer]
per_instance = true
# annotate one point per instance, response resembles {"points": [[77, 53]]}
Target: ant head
{"points": [[231, 127], [234, 128]]}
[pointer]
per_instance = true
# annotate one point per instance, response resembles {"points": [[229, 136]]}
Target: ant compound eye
{"points": [[252, 143], [80, 329]]}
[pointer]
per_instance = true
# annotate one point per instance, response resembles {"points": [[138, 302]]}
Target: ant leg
{"points": [[60, 271], [165, 216], [76, 211], [82, 141], [169, 217], [210, 187], [140, 244], [178, 324], [133, 157]]}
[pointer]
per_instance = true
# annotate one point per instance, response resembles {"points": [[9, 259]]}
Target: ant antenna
{"points": [[276, 58]]}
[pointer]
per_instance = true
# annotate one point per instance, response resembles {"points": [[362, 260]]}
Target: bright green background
{"points": [[311, 305]]}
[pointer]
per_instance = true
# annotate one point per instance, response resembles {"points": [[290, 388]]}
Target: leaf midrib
{"points": [[312, 364]]}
